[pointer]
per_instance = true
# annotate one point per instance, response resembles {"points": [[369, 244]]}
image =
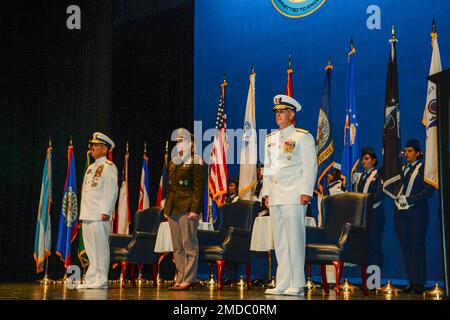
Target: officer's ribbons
{"points": [[430, 120], [324, 139], [249, 148], [350, 153], [67, 230], [43, 238], [392, 163]]}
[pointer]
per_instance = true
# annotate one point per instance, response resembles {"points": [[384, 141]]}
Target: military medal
{"points": [[289, 146], [289, 157], [99, 171]]}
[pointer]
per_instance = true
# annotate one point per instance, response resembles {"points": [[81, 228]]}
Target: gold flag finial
{"points": [[127, 147], [145, 146], [167, 146], [253, 69], [352, 48], [393, 36], [70, 141], [433, 28], [50, 142], [224, 78], [329, 65], [436, 293], [289, 62]]}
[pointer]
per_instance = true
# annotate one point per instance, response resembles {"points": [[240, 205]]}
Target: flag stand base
{"points": [[46, 281]]}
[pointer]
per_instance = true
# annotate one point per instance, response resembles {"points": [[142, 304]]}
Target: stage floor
{"points": [[34, 291]]}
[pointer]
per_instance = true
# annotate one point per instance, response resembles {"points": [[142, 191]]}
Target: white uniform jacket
{"points": [[290, 166], [99, 191]]}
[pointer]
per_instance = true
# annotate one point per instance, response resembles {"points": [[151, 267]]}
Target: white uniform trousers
{"points": [[289, 235], [96, 243]]}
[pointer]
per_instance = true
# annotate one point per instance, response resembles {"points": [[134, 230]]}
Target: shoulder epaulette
{"points": [[301, 130], [272, 133], [109, 162]]}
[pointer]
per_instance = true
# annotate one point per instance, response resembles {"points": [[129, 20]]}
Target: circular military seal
{"points": [[297, 8]]}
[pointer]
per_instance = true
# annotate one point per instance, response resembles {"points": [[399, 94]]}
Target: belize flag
{"points": [[67, 230]]}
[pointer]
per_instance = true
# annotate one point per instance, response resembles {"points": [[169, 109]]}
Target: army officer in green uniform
{"points": [[183, 206]]}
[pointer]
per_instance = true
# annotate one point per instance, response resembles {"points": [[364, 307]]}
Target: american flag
{"points": [[218, 174]]}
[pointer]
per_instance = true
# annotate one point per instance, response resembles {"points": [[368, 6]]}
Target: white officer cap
{"points": [[283, 102], [99, 137], [182, 134], [337, 166]]}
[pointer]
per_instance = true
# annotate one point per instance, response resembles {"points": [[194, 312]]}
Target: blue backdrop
{"points": [[232, 35]]}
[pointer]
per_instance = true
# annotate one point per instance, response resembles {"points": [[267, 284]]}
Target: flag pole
{"points": [[166, 154], [46, 280], [64, 279]]}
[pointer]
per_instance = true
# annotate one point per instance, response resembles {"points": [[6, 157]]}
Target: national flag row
{"points": [[349, 159], [69, 227]]}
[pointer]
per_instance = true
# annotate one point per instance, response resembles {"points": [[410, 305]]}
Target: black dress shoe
{"points": [[418, 289], [408, 289]]}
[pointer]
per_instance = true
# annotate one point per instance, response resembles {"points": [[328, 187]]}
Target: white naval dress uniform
{"points": [[290, 170], [99, 194]]}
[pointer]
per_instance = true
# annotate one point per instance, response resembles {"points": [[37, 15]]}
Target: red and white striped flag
{"points": [[218, 175], [144, 190]]}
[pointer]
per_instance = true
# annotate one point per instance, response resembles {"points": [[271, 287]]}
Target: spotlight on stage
{"points": [[389, 289], [436, 293], [348, 287]]}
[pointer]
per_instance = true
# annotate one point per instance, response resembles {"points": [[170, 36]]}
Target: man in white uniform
{"points": [[99, 195], [290, 170]]}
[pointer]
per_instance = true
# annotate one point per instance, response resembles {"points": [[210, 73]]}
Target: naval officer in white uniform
{"points": [[290, 170], [99, 195]]}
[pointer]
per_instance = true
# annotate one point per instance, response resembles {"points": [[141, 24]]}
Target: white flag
{"points": [[430, 120], [249, 149], [123, 207], [123, 210]]}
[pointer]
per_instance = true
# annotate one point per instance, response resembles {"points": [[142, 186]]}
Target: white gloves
{"points": [[401, 203]]}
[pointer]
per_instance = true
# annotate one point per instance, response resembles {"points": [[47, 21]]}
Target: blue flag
{"points": [[324, 140], [67, 230], [350, 153], [43, 238]]}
